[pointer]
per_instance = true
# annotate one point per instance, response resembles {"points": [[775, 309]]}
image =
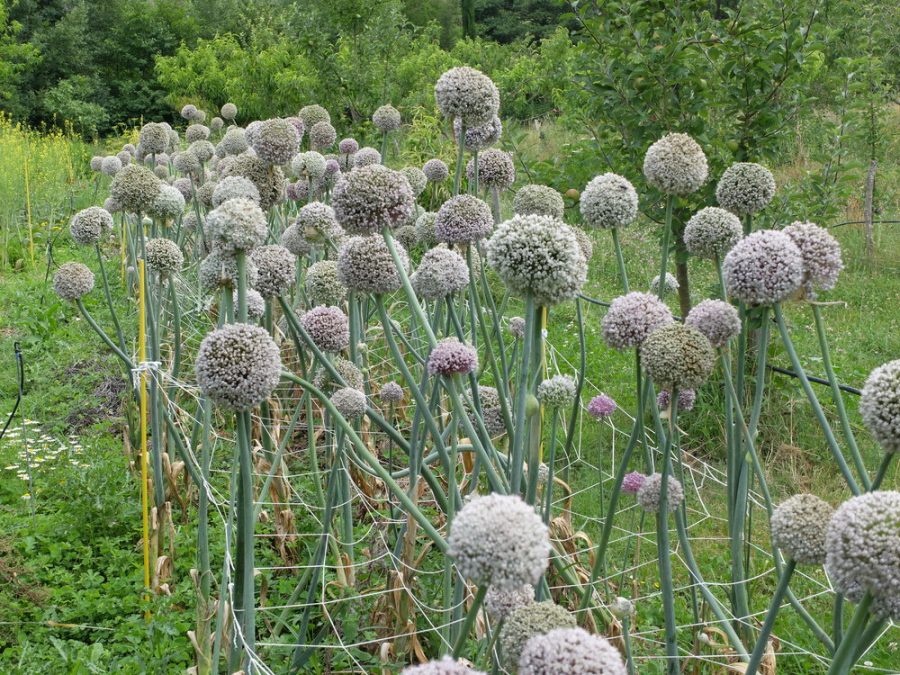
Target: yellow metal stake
{"points": [[145, 496], [28, 207]]}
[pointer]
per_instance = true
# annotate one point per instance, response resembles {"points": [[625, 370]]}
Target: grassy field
{"points": [[70, 564]]}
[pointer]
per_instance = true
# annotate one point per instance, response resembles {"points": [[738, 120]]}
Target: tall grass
{"points": [[40, 171]]}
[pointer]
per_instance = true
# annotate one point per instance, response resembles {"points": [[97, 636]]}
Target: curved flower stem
{"points": [[496, 480], [814, 402], [470, 620], [882, 469], [418, 395], [103, 336], [839, 399], [298, 333], [760, 649], [620, 260], [711, 600], [363, 452], [411, 298], [112, 309], [664, 553]]}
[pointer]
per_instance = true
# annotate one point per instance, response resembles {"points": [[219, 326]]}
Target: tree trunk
{"points": [[468, 18], [869, 209], [681, 265]]}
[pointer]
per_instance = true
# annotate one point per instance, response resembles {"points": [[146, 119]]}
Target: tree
{"points": [[649, 67], [468, 18]]}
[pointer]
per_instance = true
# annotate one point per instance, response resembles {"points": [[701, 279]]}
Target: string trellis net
{"points": [[383, 604]]}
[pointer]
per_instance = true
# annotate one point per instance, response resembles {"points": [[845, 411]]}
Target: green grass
{"points": [[70, 575]]}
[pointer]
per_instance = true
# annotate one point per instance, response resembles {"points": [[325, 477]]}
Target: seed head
{"points": [[538, 200], [238, 366], [676, 165], [499, 540], [608, 201], [632, 317], [798, 528], [538, 256], [72, 281]]}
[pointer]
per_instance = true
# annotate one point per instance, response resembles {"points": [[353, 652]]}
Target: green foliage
{"points": [[648, 68], [357, 73], [15, 58], [510, 20], [72, 99]]}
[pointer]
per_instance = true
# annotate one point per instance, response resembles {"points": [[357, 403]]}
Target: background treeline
{"points": [[102, 63]]}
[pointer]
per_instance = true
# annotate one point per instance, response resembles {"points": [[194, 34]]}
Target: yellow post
{"points": [[145, 495], [28, 207]]}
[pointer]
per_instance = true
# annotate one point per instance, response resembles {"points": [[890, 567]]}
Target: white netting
{"points": [[385, 580]]}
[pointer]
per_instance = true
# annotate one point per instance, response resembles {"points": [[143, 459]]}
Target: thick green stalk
{"points": [[204, 572], [470, 620], [411, 298], [882, 469], [711, 600], [737, 529], [620, 260], [839, 399], [176, 329], [664, 553], [760, 649], [814, 402], [345, 499], [461, 143], [845, 655], [551, 462], [112, 309], [495, 205], [626, 639], [244, 591], [241, 260], [517, 456], [301, 653], [126, 360], [363, 452], [534, 423], [600, 553], [579, 383]]}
